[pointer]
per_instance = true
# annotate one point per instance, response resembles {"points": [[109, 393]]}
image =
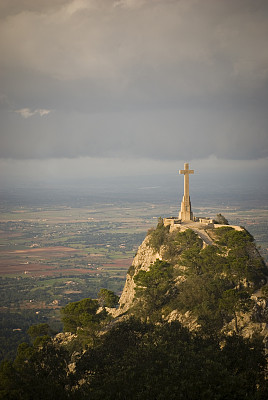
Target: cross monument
{"points": [[186, 212]]}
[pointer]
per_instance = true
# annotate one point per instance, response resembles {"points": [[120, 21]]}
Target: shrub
{"points": [[159, 235], [107, 298], [220, 219], [131, 270], [81, 314]]}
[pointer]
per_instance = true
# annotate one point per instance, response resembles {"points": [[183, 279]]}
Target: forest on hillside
{"points": [[144, 355]]}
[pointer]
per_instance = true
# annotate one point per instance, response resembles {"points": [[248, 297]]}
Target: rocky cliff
{"points": [[144, 258], [207, 279], [217, 278]]}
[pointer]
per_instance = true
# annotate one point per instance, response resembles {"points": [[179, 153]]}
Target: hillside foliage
{"points": [[144, 355], [215, 282], [139, 360]]}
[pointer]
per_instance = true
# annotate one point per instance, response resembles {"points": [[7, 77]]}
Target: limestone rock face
{"points": [[248, 323], [186, 319], [142, 261], [64, 338], [253, 322]]}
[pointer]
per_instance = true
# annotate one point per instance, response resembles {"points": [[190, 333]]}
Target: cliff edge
{"points": [[206, 277]]}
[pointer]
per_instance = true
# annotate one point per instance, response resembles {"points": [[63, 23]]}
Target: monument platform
{"points": [[176, 223]]}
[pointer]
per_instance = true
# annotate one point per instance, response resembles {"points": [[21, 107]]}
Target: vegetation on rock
{"points": [[213, 283], [139, 360], [142, 355], [107, 298], [158, 236], [220, 219], [81, 315], [152, 290]]}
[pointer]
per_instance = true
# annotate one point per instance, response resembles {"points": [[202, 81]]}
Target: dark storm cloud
{"points": [[142, 78], [8, 7]]}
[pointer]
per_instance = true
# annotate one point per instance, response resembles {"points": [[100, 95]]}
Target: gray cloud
{"points": [[27, 113], [158, 79], [175, 134], [8, 8]]}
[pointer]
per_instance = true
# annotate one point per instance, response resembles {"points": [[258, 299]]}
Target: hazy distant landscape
{"points": [[101, 104], [62, 244]]}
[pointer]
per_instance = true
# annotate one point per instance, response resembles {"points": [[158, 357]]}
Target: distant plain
{"points": [[62, 244]]}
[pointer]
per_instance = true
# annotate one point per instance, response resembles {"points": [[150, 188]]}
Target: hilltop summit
{"points": [[200, 275], [191, 324], [186, 217], [203, 272]]}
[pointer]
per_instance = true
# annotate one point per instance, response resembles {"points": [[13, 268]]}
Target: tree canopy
{"points": [[107, 298], [143, 355]]}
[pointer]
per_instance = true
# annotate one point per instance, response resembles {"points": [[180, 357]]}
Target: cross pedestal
{"points": [[186, 212]]}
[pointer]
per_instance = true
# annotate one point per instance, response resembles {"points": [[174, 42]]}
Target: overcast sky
{"points": [[124, 87]]}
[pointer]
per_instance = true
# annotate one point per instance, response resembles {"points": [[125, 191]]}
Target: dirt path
{"points": [[204, 236]]}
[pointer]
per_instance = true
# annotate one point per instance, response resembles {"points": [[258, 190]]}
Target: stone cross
{"points": [[186, 212]]}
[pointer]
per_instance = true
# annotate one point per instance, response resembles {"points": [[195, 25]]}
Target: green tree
{"points": [[201, 295], [83, 318], [80, 314], [10, 382], [179, 242], [107, 298], [42, 370], [233, 301], [138, 361], [158, 236], [231, 238], [40, 330], [220, 219], [152, 291]]}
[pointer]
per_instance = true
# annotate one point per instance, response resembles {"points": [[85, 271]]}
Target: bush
{"points": [[159, 235], [231, 238], [220, 219], [107, 298], [40, 330], [152, 288], [81, 314], [131, 270], [178, 242]]}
